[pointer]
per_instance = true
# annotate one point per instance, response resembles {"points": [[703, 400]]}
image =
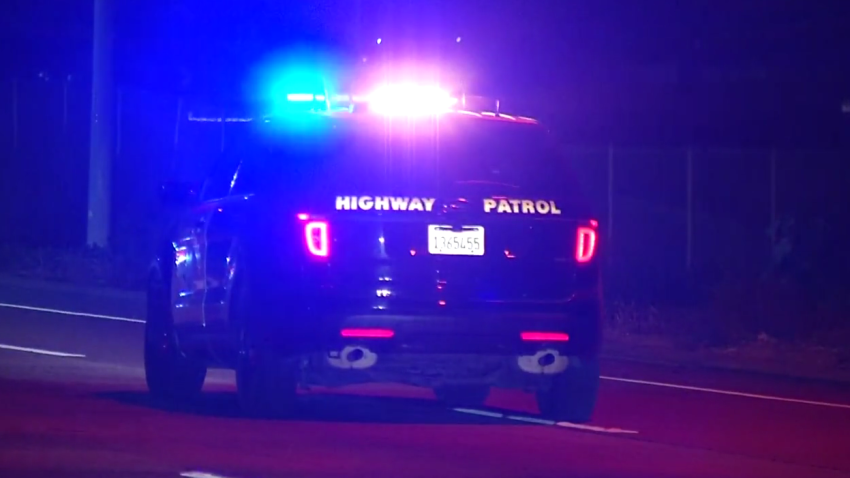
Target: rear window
{"points": [[403, 157]]}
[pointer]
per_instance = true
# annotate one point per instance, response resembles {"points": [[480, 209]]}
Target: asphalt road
{"points": [[73, 403]]}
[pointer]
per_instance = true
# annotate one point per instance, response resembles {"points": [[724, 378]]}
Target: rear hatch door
{"points": [[474, 213]]}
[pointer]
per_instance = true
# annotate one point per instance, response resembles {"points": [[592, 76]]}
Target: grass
{"points": [[86, 266], [765, 325]]}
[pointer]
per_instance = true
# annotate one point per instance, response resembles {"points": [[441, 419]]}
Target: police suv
{"points": [[408, 240]]}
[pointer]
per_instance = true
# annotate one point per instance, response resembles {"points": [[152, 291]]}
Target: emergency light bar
{"points": [[218, 119], [403, 99], [391, 99]]}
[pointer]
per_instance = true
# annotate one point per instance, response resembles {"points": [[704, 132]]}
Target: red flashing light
{"points": [[544, 336], [585, 244], [367, 333], [317, 239]]}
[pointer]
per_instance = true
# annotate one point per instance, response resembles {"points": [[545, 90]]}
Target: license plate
{"points": [[467, 241]]}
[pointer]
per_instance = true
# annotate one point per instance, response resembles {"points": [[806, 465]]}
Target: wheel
{"points": [[266, 383], [462, 396], [171, 377], [572, 395]]}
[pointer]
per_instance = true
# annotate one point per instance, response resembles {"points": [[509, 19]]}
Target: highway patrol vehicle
{"points": [[402, 239]]}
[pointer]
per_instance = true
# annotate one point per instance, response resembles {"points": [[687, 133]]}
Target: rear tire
{"points": [[171, 377], [572, 396], [462, 396], [266, 383]]}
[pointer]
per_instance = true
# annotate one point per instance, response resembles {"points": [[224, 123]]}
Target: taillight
{"points": [[585, 244], [367, 333], [544, 336], [317, 238]]}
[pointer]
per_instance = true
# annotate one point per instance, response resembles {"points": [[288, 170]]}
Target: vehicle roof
{"points": [[346, 114], [483, 115], [308, 122], [317, 124]]}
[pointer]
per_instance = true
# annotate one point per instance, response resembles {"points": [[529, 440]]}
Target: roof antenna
{"points": [[498, 104]]}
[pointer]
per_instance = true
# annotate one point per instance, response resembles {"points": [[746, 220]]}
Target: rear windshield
{"points": [[432, 156]]}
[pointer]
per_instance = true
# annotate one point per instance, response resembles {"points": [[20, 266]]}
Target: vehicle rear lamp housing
{"points": [[586, 242], [317, 238]]}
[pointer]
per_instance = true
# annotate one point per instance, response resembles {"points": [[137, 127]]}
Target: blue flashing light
{"points": [[304, 97], [292, 83], [300, 97]]}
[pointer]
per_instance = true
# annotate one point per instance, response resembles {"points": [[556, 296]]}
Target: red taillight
{"points": [[367, 333], [585, 244], [317, 238], [544, 336]]}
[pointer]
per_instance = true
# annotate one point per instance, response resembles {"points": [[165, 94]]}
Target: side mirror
{"points": [[178, 193]]}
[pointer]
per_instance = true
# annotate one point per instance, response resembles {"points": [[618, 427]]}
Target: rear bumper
{"points": [[306, 328], [447, 334], [336, 368], [431, 348]]}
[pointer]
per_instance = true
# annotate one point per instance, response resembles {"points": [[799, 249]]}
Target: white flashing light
{"points": [[410, 100], [302, 97]]}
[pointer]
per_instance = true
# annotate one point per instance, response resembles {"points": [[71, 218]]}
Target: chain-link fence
{"points": [[663, 213]]}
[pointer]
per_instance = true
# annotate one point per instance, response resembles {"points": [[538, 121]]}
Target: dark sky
{"points": [[724, 59], [781, 33]]}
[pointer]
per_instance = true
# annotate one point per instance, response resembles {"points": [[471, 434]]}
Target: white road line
{"points": [[728, 392], [479, 412], [538, 421], [68, 312], [482, 413], [200, 474], [39, 351], [592, 428]]}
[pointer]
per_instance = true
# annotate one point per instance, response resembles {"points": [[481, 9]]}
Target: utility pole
{"points": [[358, 24], [100, 145]]}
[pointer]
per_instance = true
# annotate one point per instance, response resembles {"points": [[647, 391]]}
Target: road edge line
{"points": [[69, 312], [32, 350]]}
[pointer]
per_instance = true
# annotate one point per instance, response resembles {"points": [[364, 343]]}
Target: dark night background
{"points": [[637, 85], [652, 72], [712, 137]]}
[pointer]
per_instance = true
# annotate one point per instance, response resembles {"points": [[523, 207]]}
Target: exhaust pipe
{"points": [[546, 359], [545, 362], [353, 357]]}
